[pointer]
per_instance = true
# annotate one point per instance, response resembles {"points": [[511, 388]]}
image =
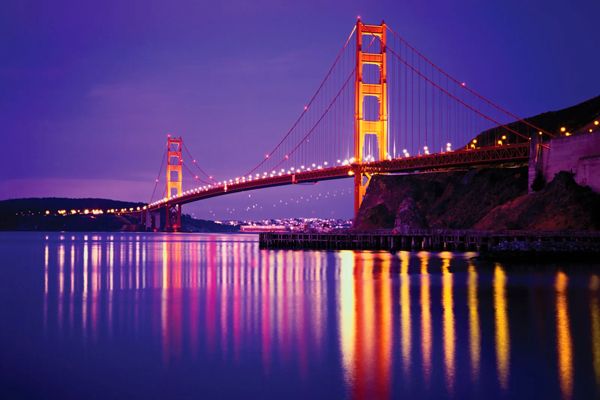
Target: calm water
{"points": [[212, 316]]}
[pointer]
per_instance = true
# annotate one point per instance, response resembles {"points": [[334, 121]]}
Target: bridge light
{"points": [[338, 161], [292, 168], [563, 129], [267, 156], [503, 137], [500, 142], [350, 172], [590, 129], [287, 156], [474, 140], [567, 134], [325, 162], [313, 165], [596, 122], [472, 146]]}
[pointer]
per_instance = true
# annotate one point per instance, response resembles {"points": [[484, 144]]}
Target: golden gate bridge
{"points": [[382, 107]]}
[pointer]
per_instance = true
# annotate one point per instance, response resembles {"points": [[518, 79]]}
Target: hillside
{"points": [[454, 199], [573, 119], [490, 198], [562, 205], [43, 214]]}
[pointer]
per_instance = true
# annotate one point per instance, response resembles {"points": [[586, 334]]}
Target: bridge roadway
{"points": [[431, 162]]}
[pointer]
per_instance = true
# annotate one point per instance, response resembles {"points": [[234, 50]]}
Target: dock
{"points": [[415, 240]]}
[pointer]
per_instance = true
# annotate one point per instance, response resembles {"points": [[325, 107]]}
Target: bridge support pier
{"points": [[173, 222]]}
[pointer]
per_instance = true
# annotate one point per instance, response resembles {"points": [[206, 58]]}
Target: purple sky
{"points": [[89, 90]]}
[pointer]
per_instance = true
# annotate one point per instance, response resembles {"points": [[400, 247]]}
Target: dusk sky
{"points": [[89, 90]]}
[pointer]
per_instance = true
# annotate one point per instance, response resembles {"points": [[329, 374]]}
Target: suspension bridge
{"points": [[383, 107]]}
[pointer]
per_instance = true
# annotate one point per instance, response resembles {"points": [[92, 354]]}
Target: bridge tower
{"points": [[173, 220], [364, 127]]}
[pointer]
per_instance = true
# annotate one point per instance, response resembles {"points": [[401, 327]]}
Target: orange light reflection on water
{"points": [[595, 326], [405, 316], [474, 329], [426, 333], [502, 328], [563, 337], [449, 333]]}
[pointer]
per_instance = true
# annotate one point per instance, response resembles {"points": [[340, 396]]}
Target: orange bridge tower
{"points": [[363, 127], [173, 218]]}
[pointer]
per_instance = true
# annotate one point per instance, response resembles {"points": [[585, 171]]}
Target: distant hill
{"points": [[573, 119], [54, 204], [56, 214], [42, 214]]}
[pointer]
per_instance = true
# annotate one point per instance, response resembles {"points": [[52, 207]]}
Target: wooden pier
{"points": [[418, 239]]}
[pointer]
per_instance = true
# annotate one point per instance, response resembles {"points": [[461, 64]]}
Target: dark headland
{"points": [[86, 215]]}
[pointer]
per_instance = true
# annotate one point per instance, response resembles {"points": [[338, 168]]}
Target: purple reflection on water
{"points": [[213, 316]]}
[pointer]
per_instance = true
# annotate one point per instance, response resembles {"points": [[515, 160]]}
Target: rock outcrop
{"points": [[409, 217], [493, 198], [561, 205], [454, 199]]}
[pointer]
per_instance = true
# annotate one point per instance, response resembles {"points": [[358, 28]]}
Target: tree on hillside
{"points": [[539, 182]]}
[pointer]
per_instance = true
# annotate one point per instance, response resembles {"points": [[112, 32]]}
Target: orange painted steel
{"points": [[173, 220], [364, 127]]}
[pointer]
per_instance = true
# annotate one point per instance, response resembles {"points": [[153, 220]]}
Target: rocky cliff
{"points": [[492, 198]]}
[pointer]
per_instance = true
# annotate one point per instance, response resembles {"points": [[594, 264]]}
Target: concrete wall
{"points": [[588, 172], [579, 154]]}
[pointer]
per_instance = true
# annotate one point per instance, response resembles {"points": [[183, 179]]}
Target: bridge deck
{"points": [[431, 162]]}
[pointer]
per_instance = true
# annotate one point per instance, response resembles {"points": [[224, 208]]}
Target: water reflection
{"points": [[563, 337], [474, 330], [388, 324], [405, 315], [426, 335], [502, 329], [448, 306], [595, 323]]}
